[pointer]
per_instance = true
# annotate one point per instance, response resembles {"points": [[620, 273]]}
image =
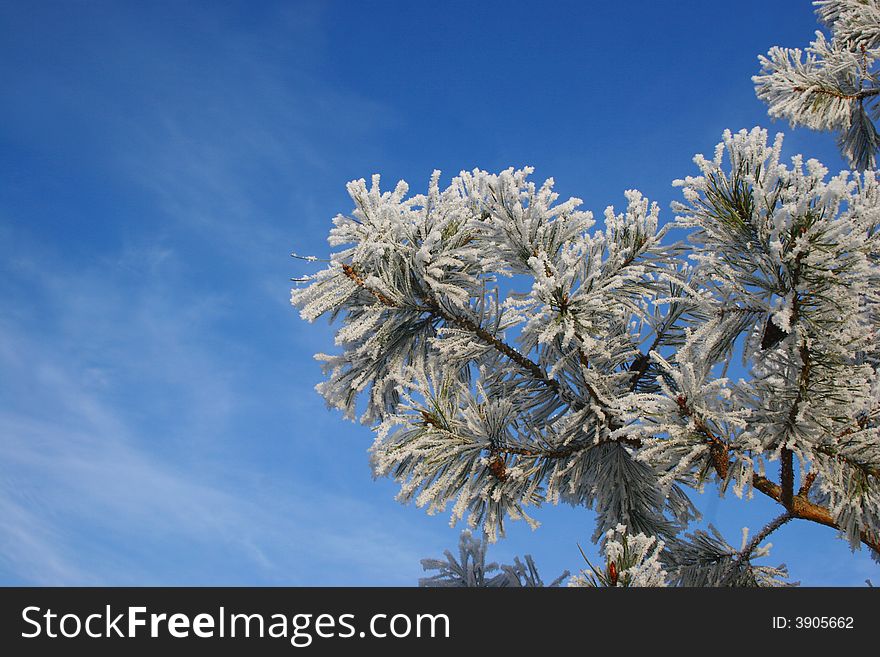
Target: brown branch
{"points": [[566, 451], [807, 484], [799, 506], [433, 306], [353, 275], [786, 477], [771, 527], [585, 363], [786, 458], [523, 361], [804, 509], [859, 95], [520, 359], [560, 453], [463, 322]]}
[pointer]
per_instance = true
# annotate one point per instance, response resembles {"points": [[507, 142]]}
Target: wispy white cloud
{"points": [[154, 423], [29, 543], [92, 491], [87, 508]]}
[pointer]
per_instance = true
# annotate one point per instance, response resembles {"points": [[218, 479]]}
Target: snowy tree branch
{"points": [[598, 376]]}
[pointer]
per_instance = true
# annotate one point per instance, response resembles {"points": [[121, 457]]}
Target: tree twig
{"points": [[768, 529]]}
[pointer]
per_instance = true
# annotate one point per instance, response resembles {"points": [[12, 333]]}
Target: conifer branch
{"points": [[836, 93], [761, 536], [350, 272], [564, 412]]}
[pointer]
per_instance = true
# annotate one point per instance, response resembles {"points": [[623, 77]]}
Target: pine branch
{"points": [[804, 509], [582, 359], [502, 347], [384, 300], [786, 477], [568, 450], [786, 468], [783, 269], [807, 484], [799, 505], [866, 468], [836, 93], [759, 538], [433, 306]]}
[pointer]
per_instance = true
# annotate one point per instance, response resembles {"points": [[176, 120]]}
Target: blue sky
{"points": [[158, 163]]}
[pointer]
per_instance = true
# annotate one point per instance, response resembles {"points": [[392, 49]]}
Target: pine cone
{"points": [[498, 468]]}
